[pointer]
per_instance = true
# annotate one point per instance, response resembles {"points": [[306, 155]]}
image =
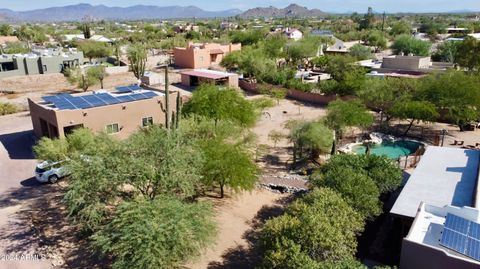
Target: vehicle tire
{"points": [[53, 179]]}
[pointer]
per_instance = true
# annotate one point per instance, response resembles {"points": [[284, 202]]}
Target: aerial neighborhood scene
{"points": [[207, 134]]}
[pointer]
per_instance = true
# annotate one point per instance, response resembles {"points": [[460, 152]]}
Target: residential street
{"points": [[18, 190]]}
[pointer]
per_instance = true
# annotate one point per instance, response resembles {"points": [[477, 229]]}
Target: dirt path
{"points": [[238, 219]]}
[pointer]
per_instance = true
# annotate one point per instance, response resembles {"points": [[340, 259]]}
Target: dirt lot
{"points": [[35, 86]]}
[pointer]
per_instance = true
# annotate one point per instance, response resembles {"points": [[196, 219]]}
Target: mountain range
{"points": [[292, 10], [100, 12]]}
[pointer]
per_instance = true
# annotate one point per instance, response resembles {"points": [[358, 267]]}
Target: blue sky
{"points": [[326, 5]]}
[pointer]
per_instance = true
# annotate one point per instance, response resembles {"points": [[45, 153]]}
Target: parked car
{"points": [[49, 171]]}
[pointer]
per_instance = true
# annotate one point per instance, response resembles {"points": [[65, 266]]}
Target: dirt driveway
{"points": [[18, 189]]}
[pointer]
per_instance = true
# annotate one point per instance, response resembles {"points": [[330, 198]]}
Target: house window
{"points": [[147, 121], [112, 128]]}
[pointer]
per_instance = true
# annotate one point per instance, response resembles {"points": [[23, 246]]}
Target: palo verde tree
{"points": [[383, 171], [98, 72], [317, 228], [82, 78], [93, 49], [414, 111], [228, 165], [456, 95], [357, 189], [163, 233], [221, 104], [407, 44], [137, 56], [311, 139], [468, 54], [344, 114]]}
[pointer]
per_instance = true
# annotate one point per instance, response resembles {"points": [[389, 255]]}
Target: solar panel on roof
{"points": [[64, 104], [50, 99], [474, 230], [81, 103], [473, 249], [138, 96], [125, 98], [94, 100], [453, 240], [456, 223], [150, 94], [108, 99], [123, 89], [134, 87], [462, 236]]}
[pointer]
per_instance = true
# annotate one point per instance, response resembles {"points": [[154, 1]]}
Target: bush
{"points": [[316, 228], [162, 233], [7, 108]]}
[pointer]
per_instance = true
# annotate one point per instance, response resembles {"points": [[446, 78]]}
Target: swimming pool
{"points": [[391, 149]]}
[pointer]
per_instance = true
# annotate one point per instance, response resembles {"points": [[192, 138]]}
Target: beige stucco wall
{"points": [[416, 256], [199, 56], [128, 116], [406, 63]]}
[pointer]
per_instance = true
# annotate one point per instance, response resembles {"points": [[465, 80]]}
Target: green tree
{"points": [[318, 227], [312, 138], [358, 189], [414, 111], [446, 52], [468, 54], [401, 28], [81, 78], [377, 40], [163, 233], [275, 136], [98, 72], [409, 45], [221, 104], [16, 47], [6, 30], [455, 94], [344, 114], [360, 52], [383, 171], [137, 56], [228, 165], [382, 94], [93, 49]]}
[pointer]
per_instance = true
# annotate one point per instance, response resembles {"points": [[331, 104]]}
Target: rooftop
{"points": [[96, 99], [430, 224], [205, 73], [444, 176]]}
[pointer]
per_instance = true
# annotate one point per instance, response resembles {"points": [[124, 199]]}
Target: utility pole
{"points": [[383, 22]]}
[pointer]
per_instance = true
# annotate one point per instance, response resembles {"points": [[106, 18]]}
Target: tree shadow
{"points": [[42, 224], [19, 145], [243, 257]]}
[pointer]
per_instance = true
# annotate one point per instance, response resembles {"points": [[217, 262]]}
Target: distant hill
{"points": [[77, 12], [293, 10]]}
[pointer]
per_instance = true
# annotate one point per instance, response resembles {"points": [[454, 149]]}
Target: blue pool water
{"points": [[392, 150]]}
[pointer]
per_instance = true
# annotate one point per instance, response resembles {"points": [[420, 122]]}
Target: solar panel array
{"points": [[462, 236], [67, 101], [125, 89]]}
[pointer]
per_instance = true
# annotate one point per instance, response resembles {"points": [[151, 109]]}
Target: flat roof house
{"points": [[412, 64], [197, 76], [119, 113], [39, 62], [444, 183], [202, 55]]}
